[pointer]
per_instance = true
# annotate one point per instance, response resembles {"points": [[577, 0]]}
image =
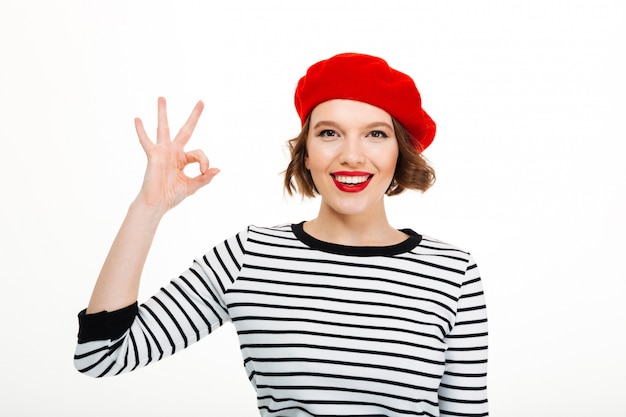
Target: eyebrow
{"points": [[336, 125]]}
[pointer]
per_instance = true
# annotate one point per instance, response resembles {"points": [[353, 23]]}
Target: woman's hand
{"points": [[165, 183]]}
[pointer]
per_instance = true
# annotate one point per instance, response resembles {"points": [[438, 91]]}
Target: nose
{"points": [[352, 152]]}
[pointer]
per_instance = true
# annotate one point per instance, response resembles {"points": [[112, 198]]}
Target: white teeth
{"points": [[345, 179]]}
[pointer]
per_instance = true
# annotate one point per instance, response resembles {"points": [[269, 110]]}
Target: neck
{"points": [[368, 229]]}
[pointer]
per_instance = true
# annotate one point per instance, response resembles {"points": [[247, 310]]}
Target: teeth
{"points": [[345, 179]]}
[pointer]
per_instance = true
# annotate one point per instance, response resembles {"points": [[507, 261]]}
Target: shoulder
{"points": [[436, 246], [254, 233], [444, 255], [278, 236], [278, 233], [280, 230]]}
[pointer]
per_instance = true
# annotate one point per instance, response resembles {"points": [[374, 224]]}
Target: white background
{"points": [[529, 101]]}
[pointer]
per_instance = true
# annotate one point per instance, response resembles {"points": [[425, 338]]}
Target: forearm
{"points": [[165, 185], [188, 308], [118, 283], [463, 388]]}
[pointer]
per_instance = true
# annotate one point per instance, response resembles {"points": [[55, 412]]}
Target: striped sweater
{"points": [[324, 329]]}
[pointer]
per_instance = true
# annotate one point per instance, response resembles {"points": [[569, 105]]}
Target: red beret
{"points": [[370, 80]]}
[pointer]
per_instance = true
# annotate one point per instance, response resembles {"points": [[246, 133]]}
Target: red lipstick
{"points": [[351, 181]]}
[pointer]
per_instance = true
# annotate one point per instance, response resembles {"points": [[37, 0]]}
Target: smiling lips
{"points": [[351, 181]]}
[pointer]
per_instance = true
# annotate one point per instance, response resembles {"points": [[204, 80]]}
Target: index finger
{"points": [[185, 132]]}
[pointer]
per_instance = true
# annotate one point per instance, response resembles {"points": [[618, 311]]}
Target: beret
{"points": [[371, 80]]}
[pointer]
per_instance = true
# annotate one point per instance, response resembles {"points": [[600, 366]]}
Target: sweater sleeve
{"points": [[463, 389], [190, 307]]}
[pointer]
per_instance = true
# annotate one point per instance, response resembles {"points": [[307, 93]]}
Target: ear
{"points": [[306, 162]]}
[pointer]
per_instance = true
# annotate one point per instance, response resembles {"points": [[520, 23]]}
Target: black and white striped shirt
{"points": [[324, 329]]}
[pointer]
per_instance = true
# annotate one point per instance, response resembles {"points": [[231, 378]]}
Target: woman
{"points": [[341, 315]]}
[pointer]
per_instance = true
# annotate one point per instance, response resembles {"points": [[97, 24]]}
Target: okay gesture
{"points": [[165, 183]]}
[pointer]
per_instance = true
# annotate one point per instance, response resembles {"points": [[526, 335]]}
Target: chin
{"points": [[352, 209]]}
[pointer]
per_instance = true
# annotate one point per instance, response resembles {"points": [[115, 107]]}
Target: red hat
{"points": [[370, 80]]}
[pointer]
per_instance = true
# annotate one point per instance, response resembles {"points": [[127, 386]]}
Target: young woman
{"points": [[341, 315]]}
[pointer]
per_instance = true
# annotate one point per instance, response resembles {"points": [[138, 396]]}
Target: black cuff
{"points": [[105, 325]]}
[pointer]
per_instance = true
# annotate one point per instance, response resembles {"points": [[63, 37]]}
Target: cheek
{"points": [[391, 160], [314, 158], [307, 153], [394, 162]]}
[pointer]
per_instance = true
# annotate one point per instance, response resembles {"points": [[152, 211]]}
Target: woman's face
{"points": [[351, 154]]}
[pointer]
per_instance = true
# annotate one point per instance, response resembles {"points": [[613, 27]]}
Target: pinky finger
{"points": [[144, 140]]}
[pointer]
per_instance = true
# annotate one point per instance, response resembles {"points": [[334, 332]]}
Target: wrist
{"points": [[146, 211]]}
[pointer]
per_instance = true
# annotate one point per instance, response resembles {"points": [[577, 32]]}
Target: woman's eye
{"points": [[328, 133], [378, 134]]}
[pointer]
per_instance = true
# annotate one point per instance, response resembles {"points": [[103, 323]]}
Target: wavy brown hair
{"points": [[412, 172]]}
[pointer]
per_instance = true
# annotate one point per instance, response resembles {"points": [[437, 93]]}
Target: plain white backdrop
{"points": [[529, 101]]}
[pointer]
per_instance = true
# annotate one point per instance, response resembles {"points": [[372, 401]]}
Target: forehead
{"points": [[349, 112]]}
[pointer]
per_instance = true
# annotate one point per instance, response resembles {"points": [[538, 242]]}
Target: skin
{"points": [[346, 136], [351, 136], [164, 186]]}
